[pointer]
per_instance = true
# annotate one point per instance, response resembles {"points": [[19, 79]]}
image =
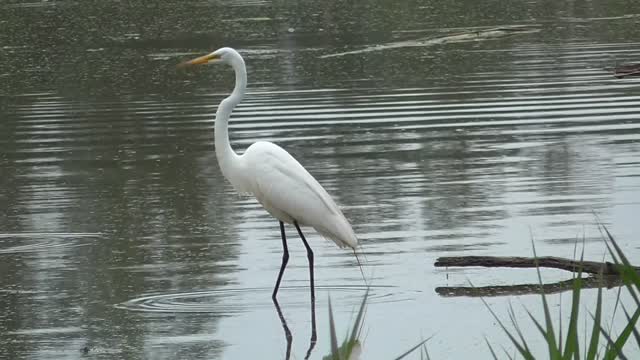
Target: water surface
{"points": [[119, 235]]}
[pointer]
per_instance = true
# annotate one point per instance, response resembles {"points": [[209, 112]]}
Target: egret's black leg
{"points": [[285, 260], [314, 336], [310, 257]]}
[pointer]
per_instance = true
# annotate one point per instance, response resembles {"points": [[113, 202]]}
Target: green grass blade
{"points": [[628, 272], [636, 333], [624, 335], [493, 353], [521, 349], [592, 352], [511, 357], [631, 279], [615, 309], [613, 351], [554, 353], [623, 258], [406, 353], [538, 325], [512, 317], [426, 351], [335, 353], [560, 326], [572, 348], [357, 326], [601, 227]]}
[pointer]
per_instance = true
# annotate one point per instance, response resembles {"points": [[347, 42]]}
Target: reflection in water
{"points": [[287, 331], [238, 300], [591, 282], [459, 148], [31, 242]]}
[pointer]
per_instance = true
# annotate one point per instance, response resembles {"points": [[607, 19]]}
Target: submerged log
{"points": [[589, 267]]}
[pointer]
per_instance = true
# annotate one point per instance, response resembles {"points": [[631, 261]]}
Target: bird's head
{"points": [[223, 55]]}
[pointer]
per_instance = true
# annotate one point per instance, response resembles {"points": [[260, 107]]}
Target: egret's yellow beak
{"points": [[202, 60]]}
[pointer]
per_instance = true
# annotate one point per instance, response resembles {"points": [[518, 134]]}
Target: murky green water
{"points": [[438, 135]]}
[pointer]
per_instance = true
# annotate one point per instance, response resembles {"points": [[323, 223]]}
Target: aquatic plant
{"points": [[568, 346], [351, 346], [562, 344]]}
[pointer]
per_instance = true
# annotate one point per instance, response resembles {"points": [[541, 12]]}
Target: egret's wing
{"points": [[287, 190], [281, 182]]}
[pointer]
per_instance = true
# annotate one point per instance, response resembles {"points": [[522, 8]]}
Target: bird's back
{"points": [[288, 192]]}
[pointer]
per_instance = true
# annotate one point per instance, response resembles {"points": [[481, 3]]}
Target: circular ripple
{"points": [[230, 301]]}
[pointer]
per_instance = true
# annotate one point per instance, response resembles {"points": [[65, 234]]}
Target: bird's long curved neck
{"points": [[227, 158]]}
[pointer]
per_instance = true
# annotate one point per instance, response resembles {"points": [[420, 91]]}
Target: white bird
{"points": [[277, 180]]}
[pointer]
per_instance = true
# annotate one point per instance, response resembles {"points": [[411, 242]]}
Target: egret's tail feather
{"points": [[346, 237]]}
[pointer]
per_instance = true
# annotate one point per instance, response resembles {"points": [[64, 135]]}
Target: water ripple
{"points": [[51, 241], [229, 301]]}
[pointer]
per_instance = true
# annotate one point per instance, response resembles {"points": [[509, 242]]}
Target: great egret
{"points": [[277, 180]]}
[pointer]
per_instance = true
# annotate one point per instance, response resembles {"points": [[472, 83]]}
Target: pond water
{"points": [[442, 128]]}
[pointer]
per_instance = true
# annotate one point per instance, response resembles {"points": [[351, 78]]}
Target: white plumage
{"points": [[288, 192]]}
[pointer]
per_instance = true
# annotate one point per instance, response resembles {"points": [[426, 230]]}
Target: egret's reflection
{"points": [[285, 327], [287, 332]]}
